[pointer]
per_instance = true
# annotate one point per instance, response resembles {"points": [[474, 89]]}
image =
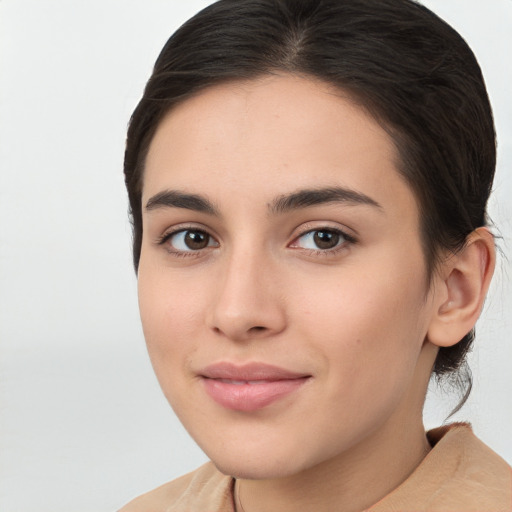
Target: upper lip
{"points": [[249, 371]]}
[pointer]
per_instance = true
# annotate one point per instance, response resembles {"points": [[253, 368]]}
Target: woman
{"points": [[308, 184]]}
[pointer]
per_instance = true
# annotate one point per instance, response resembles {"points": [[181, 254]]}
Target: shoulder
{"points": [[460, 474], [205, 489], [471, 464]]}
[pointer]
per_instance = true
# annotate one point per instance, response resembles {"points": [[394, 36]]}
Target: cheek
{"points": [[367, 300], [370, 318], [370, 341], [169, 313]]}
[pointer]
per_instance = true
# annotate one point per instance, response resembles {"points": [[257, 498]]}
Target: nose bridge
{"points": [[248, 303]]}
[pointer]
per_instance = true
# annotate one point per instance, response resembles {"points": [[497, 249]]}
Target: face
{"points": [[281, 281]]}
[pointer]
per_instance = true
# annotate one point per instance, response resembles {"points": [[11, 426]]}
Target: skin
{"points": [[357, 318]]}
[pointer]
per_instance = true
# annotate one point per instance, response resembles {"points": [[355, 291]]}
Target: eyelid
{"points": [[306, 227], [170, 231], [349, 239], [180, 228]]}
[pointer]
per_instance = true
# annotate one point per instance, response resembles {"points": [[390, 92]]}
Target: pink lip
{"points": [[251, 386]]}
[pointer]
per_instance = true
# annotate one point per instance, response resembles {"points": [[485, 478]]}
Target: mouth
{"points": [[250, 387]]}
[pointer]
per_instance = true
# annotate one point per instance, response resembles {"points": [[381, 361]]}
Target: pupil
{"points": [[196, 240], [326, 239]]}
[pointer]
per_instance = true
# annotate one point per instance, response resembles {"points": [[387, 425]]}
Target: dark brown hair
{"points": [[412, 71]]}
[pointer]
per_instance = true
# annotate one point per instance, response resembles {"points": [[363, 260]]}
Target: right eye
{"points": [[189, 240]]}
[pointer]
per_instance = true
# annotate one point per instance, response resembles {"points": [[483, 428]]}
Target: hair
{"points": [[396, 59]]}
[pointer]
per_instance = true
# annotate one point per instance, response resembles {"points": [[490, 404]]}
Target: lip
{"points": [[251, 386]]}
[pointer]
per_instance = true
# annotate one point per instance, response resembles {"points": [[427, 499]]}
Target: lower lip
{"points": [[250, 397]]}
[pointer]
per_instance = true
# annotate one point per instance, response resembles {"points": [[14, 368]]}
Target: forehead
{"points": [[270, 135]]}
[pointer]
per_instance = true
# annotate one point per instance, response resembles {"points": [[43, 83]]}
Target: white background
{"points": [[83, 425]]}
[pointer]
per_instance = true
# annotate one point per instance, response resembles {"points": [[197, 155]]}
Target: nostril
{"points": [[257, 328]]}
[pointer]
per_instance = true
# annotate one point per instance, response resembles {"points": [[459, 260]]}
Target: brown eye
{"points": [[188, 240], [326, 239], [196, 240], [322, 240]]}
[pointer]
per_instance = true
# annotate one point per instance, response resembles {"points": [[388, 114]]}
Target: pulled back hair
{"points": [[396, 59]]}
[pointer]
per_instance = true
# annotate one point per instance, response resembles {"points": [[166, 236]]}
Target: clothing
{"points": [[460, 474]]}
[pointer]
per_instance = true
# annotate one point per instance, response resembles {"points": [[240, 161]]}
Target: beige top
{"points": [[460, 474]]}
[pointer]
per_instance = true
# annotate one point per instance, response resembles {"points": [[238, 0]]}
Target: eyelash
{"points": [[342, 245], [347, 240], [179, 253]]}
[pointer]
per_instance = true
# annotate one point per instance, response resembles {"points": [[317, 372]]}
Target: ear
{"points": [[460, 289]]}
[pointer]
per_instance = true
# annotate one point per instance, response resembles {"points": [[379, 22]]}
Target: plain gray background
{"points": [[83, 425]]}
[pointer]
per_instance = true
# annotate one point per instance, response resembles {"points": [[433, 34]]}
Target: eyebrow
{"points": [[314, 197], [177, 199], [282, 204]]}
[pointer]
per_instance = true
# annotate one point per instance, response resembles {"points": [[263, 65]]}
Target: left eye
{"points": [[320, 239]]}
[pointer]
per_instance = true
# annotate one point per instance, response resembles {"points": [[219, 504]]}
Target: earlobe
{"points": [[462, 289]]}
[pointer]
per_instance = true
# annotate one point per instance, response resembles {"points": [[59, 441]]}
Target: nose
{"points": [[249, 303]]}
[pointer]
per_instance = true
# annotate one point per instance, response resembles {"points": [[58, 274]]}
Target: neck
{"points": [[352, 481]]}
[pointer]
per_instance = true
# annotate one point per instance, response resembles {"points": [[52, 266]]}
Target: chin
{"points": [[257, 462], [254, 471]]}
